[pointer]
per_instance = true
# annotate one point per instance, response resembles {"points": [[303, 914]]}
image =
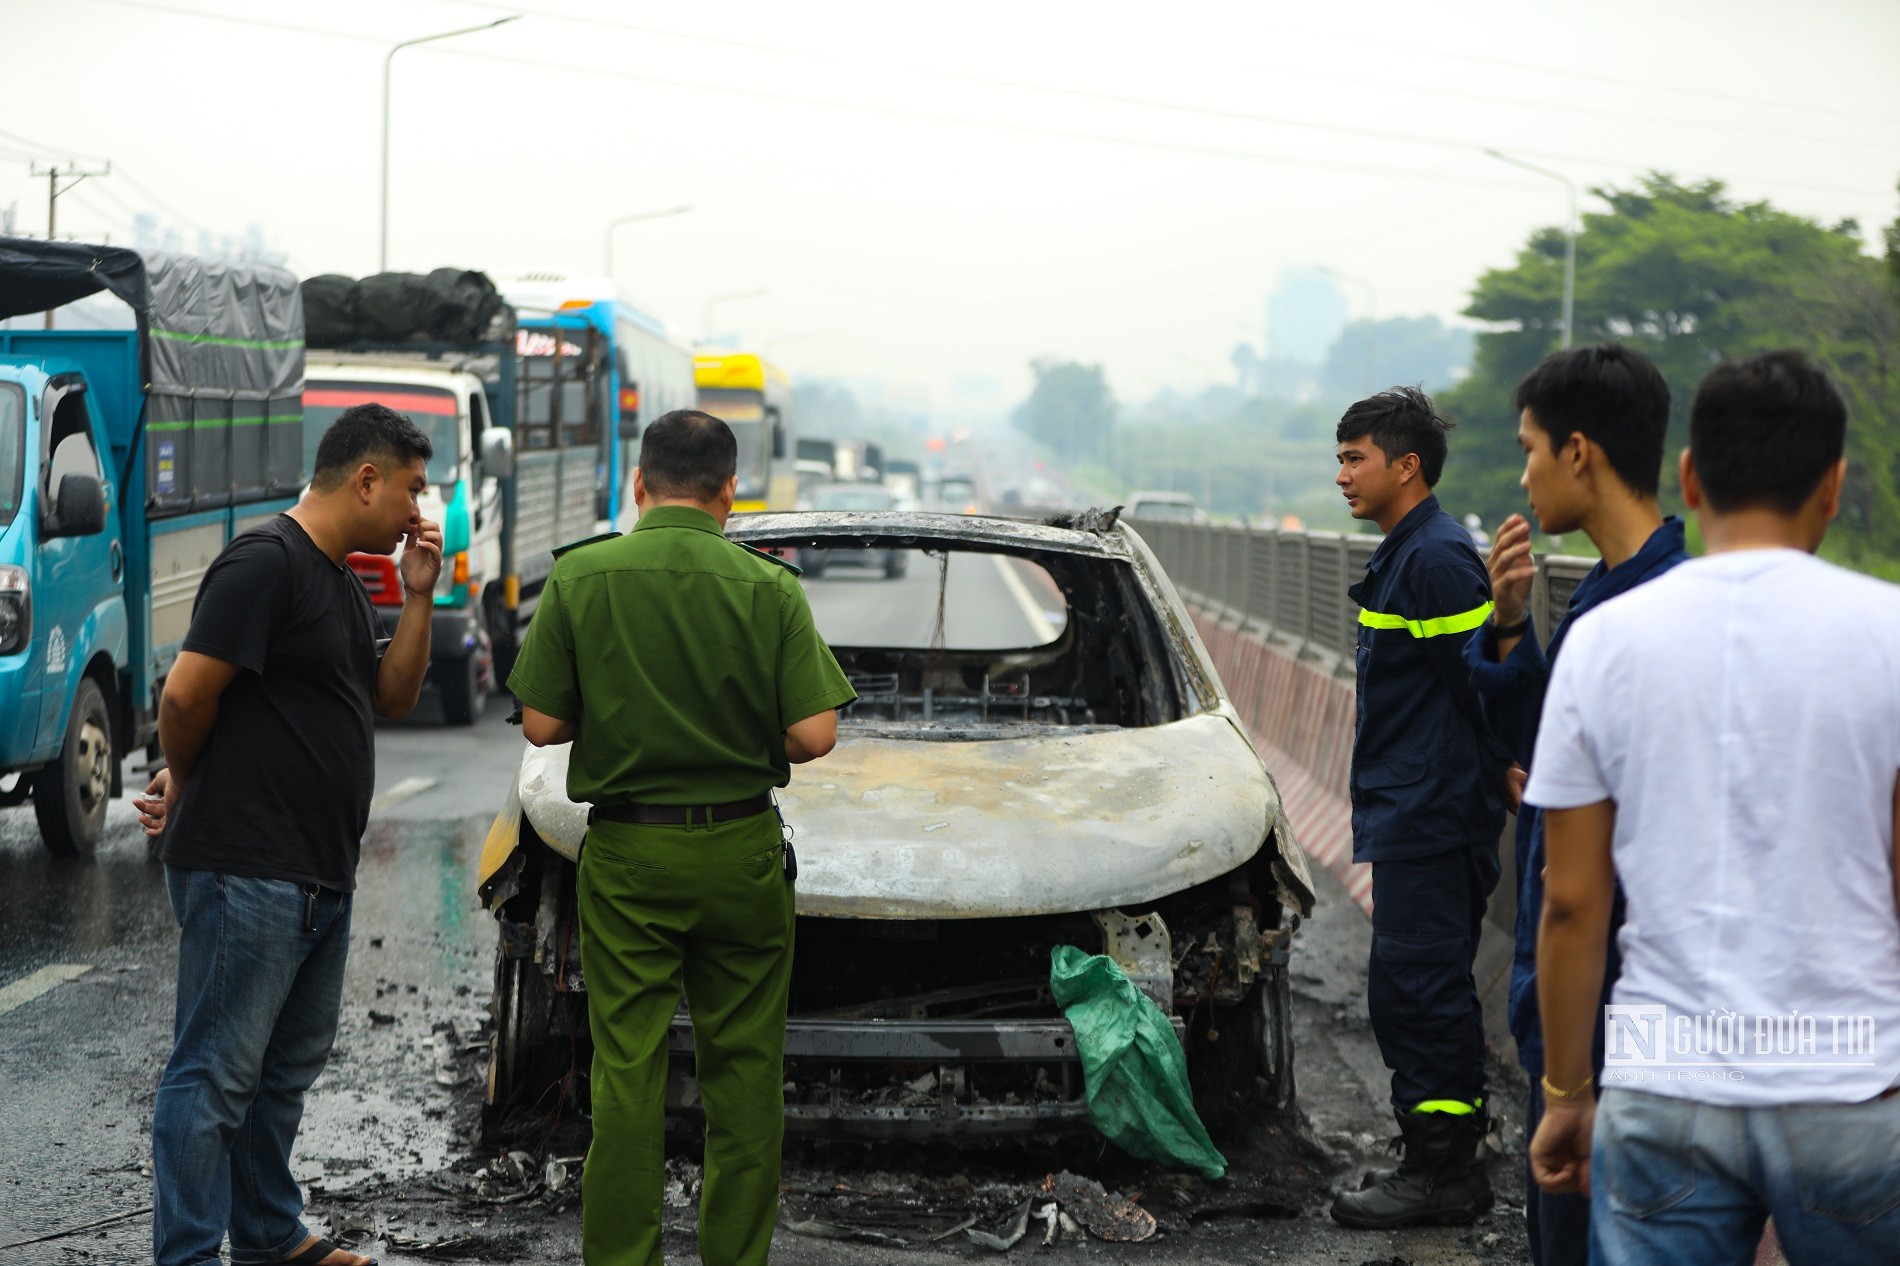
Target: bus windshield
{"points": [[744, 412], [12, 450], [431, 408]]}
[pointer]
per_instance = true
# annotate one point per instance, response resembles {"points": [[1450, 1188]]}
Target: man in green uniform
{"points": [[687, 673]]}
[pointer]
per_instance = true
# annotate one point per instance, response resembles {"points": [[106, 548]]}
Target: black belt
{"points": [[680, 814]]}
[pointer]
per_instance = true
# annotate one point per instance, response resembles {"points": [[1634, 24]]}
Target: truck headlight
{"points": [[16, 610]]}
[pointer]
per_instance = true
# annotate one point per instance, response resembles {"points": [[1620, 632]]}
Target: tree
{"points": [[1416, 351], [1071, 409], [1692, 278]]}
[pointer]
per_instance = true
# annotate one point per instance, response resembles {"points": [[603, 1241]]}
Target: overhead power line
{"points": [[1363, 81], [1187, 148], [1469, 147], [119, 173]]}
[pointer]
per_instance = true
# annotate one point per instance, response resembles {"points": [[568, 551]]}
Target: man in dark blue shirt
{"points": [[1591, 423], [1430, 785]]}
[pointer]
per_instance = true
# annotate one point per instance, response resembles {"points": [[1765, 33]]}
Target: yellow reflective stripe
{"points": [[1463, 622], [1451, 1107]]}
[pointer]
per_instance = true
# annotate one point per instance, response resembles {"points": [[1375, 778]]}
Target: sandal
{"points": [[314, 1252]]}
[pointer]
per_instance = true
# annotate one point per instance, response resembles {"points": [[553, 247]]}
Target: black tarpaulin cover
{"points": [[36, 276], [222, 348], [449, 305]]}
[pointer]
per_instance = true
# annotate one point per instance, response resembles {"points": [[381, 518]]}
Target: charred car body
{"points": [[981, 808]]}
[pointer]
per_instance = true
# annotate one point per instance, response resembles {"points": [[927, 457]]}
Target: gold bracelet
{"points": [[1551, 1092]]}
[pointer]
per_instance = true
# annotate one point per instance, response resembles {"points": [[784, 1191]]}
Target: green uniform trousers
{"points": [[708, 907]]}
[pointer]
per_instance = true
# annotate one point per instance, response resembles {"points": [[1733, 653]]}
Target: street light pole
{"points": [[1372, 325], [716, 300], [382, 248], [635, 218], [1570, 237]]}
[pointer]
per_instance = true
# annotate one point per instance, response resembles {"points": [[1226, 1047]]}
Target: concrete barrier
{"points": [[1300, 713]]}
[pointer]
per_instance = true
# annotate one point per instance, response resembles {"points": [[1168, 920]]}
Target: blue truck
{"points": [[129, 457]]}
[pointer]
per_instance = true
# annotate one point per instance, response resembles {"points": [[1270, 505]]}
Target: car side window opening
{"points": [[70, 441]]}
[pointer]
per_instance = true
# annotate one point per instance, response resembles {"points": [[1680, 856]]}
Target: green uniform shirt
{"points": [[683, 657]]}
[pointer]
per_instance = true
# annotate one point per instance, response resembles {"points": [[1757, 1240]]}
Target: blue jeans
{"points": [[1678, 1183], [258, 997]]}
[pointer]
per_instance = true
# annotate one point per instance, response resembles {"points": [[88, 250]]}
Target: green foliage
{"points": [[1692, 278], [1071, 409]]}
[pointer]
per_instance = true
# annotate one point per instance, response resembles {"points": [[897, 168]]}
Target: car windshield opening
{"points": [[943, 641]]}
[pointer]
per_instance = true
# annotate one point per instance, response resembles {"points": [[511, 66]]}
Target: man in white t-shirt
{"points": [[1725, 740]]}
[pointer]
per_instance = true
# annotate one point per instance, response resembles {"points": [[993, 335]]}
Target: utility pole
{"points": [[72, 174], [382, 240], [635, 218], [1570, 236]]}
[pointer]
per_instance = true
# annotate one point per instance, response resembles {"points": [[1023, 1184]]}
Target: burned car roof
{"points": [[1105, 767], [1095, 533]]}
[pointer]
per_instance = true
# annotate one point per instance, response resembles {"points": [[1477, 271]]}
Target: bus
{"points": [[754, 398], [591, 370]]}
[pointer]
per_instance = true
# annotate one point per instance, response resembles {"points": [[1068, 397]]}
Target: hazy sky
{"points": [[933, 195]]}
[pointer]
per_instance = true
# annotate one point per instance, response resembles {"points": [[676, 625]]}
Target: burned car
{"points": [[982, 807]]}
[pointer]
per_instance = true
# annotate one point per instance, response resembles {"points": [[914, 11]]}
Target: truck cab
{"points": [[63, 621], [465, 495], [131, 452]]}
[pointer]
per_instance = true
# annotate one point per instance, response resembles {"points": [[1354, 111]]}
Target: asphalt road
{"points": [[88, 959]]}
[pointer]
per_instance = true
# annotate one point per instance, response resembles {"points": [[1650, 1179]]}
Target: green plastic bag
{"points": [[1132, 1064]]}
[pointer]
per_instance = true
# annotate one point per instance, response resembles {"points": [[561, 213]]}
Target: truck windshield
{"points": [[432, 409], [12, 450]]}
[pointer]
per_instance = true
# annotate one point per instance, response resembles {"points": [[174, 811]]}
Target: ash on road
{"points": [[388, 1152]]}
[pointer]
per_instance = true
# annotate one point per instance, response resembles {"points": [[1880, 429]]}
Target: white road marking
{"points": [[1039, 625], [45, 980], [407, 789]]}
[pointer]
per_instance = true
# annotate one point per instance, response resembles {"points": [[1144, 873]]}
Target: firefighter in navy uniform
{"points": [[1430, 785]]}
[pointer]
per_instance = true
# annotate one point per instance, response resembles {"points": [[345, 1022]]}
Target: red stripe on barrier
{"points": [[1301, 722]]}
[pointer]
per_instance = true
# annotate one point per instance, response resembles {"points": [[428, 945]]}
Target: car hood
{"points": [[1046, 824]]}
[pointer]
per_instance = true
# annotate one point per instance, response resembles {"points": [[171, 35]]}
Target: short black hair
{"points": [[688, 454], [1765, 432], [367, 432], [1613, 396], [1400, 420]]}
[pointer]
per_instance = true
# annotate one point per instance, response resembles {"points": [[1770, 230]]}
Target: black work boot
{"points": [[1440, 1180]]}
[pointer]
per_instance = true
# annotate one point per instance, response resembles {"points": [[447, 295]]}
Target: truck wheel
{"points": [[70, 795], [463, 695]]}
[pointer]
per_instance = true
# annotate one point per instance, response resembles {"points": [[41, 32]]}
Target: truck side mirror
{"points": [[81, 508], [498, 452]]}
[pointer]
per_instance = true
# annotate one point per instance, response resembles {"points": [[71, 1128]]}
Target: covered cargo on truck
{"points": [[176, 421]]}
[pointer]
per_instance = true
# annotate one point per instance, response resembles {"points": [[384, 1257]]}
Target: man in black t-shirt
{"points": [[267, 727]]}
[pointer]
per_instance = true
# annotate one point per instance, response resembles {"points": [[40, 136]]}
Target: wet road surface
{"points": [[87, 965]]}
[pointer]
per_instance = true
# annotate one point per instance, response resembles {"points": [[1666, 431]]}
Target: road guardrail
{"points": [[1291, 585]]}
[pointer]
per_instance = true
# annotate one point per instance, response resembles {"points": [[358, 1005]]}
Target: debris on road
{"points": [[1006, 1237], [682, 1183], [1106, 1215]]}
